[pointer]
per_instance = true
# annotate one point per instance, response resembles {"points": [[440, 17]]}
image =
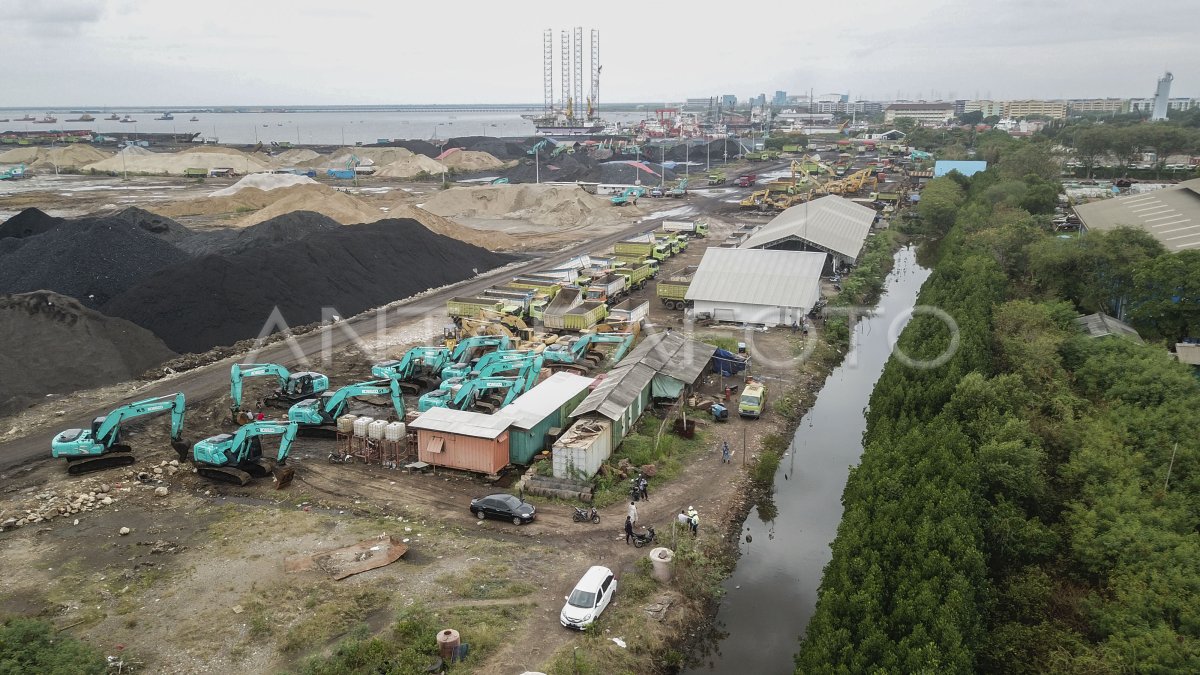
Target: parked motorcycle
{"points": [[640, 539], [584, 515]]}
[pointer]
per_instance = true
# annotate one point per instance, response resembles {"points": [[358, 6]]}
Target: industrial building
{"points": [[757, 286], [1098, 105], [927, 114], [966, 167], [1171, 215], [831, 224]]}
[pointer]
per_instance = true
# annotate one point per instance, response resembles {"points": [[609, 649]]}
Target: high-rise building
{"points": [[1162, 97], [780, 97], [728, 101]]}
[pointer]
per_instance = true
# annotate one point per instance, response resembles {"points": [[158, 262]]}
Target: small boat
{"points": [[83, 118], [4, 120], [128, 120], [113, 118], [27, 118], [48, 119], [165, 117], [194, 119]]}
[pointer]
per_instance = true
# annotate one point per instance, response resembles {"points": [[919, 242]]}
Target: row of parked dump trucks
{"points": [[582, 292]]}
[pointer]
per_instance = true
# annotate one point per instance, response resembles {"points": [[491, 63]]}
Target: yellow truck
{"points": [[753, 400]]}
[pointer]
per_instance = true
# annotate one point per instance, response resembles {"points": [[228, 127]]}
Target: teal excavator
{"points": [[418, 369], [100, 447], [238, 458], [292, 386], [320, 414], [465, 369], [468, 348], [470, 391], [576, 354]]}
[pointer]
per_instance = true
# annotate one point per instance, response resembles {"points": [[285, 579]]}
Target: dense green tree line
{"points": [[1011, 512]]}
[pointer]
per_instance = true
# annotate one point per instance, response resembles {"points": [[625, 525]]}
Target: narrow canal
{"points": [[772, 593]]}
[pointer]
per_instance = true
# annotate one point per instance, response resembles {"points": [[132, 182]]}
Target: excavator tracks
{"points": [[117, 455], [224, 474]]}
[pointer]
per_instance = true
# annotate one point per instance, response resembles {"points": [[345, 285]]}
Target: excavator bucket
{"points": [[242, 417], [181, 449], [282, 475]]}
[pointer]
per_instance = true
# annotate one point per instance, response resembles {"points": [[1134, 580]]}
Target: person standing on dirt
{"points": [[693, 519], [644, 488], [683, 519], [633, 517], [628, 530], [725, 456]]}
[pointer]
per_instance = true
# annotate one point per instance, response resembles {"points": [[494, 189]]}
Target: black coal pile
{"points": [[565, 167], [216, 299], [29, 222], [504, 149], [160, 226], [51, 344], [92, 259], [282, 229], [628, 173], [699, 151]]}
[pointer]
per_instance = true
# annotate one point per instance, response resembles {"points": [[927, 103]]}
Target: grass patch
{"points": [[485, 583], [323, 611], [721, 341], [640, 447], [411, 646], [31, 646]]}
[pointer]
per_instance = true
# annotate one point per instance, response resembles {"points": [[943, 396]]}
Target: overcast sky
{"points": [[59, 53]]}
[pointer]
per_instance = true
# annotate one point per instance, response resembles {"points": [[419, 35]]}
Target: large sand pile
{"points": [[322, 199], [366, 156], [249, 199], [470, 160], [296, 156], [51, 344], [68, 157], [496, 241], [408, 167], [551, 205], [140, 160], [265, 182]]}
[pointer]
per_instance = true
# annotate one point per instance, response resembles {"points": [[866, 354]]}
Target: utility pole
{"points": [[537, 166]]}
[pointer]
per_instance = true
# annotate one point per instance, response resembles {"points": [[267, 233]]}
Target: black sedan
{"points": [[503, 506]]}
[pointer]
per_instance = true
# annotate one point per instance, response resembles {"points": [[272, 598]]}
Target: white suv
{"points": [[591, 595]]}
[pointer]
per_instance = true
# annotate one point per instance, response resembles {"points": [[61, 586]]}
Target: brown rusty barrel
{"points": [[447, 644]]}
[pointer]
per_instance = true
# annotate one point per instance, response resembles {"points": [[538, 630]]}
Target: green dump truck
{"points": [[471, 308], [673, 291]]}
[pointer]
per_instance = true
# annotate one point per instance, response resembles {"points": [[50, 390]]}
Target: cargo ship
{"points": [[562, 124], [48, 119], [27, 118], [83, 118], [165, 117]]}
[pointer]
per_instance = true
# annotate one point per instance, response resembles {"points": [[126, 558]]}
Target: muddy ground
{"points": [[198, 584]]}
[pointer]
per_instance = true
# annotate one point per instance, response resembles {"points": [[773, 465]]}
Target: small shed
{"points": [[621, 397], [757, 286], [461, 439], [579, 452], [1102, 325], [546, 406]]}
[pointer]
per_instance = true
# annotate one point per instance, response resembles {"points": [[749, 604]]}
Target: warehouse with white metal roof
{"points": [[831, 224], [1171, 215], [757, 286]]}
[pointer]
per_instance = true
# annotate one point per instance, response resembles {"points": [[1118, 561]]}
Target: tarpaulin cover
{"points": [[727, 363]]}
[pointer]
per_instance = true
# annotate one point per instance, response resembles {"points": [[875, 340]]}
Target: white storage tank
{"points": [[375, 429], [395, 431], [360, 425], [345, 424]]}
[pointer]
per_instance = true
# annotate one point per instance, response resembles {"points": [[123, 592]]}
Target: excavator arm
{"points": [[89, 449], [107, 432], [239, 372]]}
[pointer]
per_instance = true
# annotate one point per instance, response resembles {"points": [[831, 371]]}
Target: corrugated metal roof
{"points": [[1171, 215], [541, 401], [1101, 325], [759, 277], [966, 167], [669, 353], [462, 422], [617, 391], [831, 223]]}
